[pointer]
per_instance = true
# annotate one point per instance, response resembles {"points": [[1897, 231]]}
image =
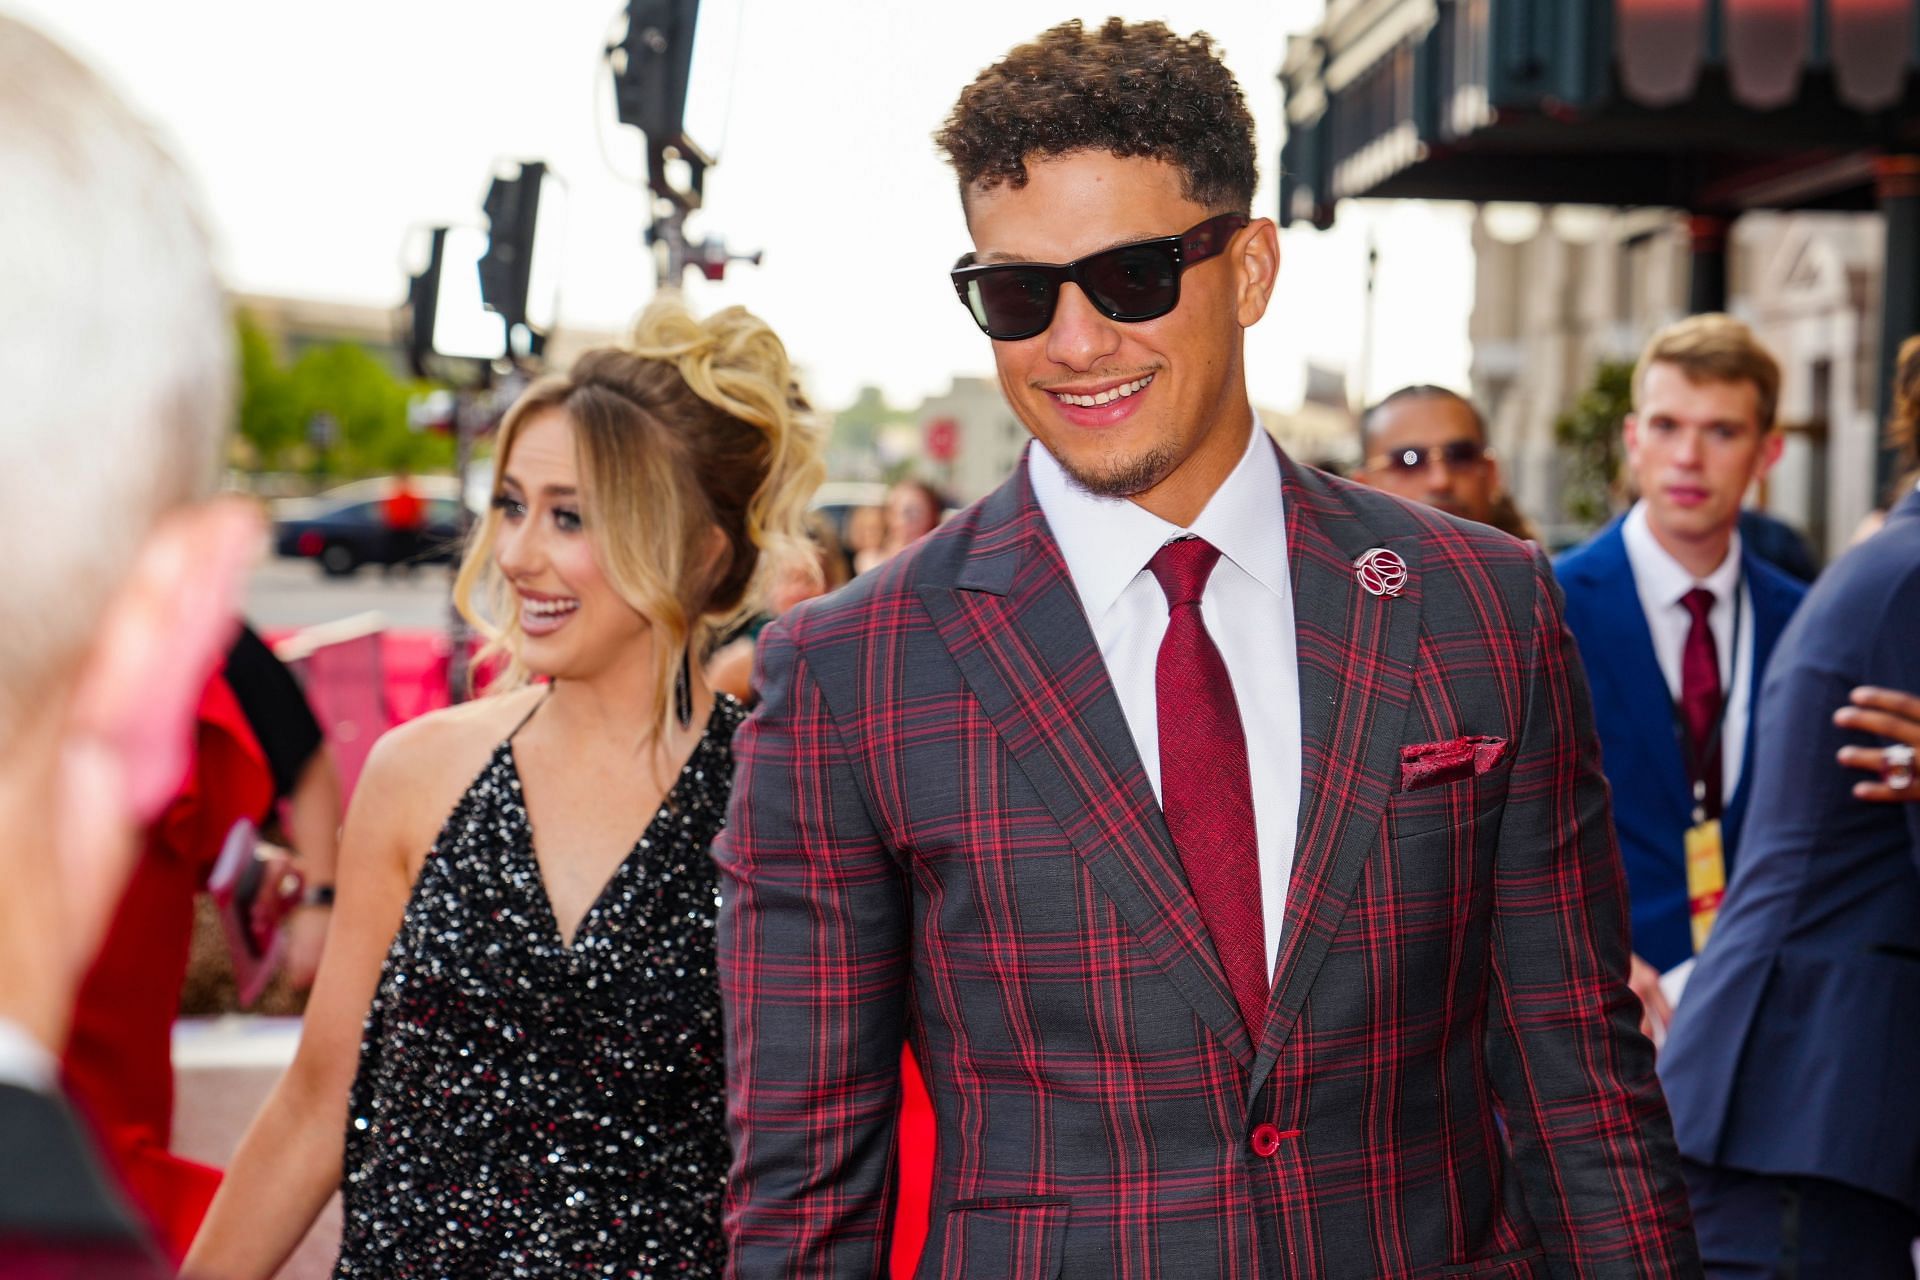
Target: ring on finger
{"points": [[1896, 766]]}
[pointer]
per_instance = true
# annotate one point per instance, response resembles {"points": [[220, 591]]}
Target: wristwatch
{"points": [[319, 895]]}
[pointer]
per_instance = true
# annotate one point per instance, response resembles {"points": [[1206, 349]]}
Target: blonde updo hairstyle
{"points": [[694, 426]]}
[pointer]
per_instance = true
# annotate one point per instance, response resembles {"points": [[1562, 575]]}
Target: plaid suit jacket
{"points": [[941, 831]]}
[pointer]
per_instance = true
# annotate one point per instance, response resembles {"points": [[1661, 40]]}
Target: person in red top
{"points": [[118, 1065], [405, 516], [255, 740]]}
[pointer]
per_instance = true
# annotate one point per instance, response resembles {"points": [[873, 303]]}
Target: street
{"points": [[285, 593]]}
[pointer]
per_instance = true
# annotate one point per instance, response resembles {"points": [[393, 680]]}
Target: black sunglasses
{"points": [[1130, 283], [1416, 457]]}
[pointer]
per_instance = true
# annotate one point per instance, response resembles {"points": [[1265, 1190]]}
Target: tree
{"points": [[855, 445], [270, 424], [336, 411], [1589, 433]]}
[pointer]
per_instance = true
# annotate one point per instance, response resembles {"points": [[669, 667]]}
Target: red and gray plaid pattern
{"points": [[941, 831]]}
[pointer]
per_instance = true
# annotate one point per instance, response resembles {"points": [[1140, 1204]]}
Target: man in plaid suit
{"points": [[1228, 841]]}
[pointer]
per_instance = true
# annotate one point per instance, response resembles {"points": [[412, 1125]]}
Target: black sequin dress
{"points": [[528, 1108]]}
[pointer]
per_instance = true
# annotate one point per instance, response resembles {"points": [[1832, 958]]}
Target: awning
{"points": [[1766, 48]]}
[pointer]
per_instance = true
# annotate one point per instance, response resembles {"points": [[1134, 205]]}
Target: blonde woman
{"points": [[526, 911]]}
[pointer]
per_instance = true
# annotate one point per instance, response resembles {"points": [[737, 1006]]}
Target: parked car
{"points": [[345, 529]]}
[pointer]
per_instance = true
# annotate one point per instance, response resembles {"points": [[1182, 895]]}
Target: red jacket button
{"points": [[1265, 1140]]}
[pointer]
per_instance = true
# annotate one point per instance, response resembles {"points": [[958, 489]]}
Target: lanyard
{"points": [[1698, 758]]}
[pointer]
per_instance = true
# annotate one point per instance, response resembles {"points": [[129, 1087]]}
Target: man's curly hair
{"points": [[1131, 89]]}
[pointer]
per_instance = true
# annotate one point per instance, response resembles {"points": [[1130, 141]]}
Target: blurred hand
{"points": [[1887, 713], [1656, 1013], [279, 889], [278, 907], [306, 936]]}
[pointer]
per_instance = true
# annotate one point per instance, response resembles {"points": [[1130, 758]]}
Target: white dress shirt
{"points": [[24, 1061], [1247, 608], [1661, 582]]}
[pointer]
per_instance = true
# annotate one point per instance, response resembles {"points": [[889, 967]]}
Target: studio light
{"points": [[463, 328], [446, 320], [520, 268], [673, 75], [709, 98]]}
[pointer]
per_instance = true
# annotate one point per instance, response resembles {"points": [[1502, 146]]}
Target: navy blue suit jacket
{"points": [[1639, 746], [1795, 1047]]}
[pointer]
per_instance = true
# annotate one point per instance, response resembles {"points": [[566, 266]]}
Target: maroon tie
{"points": [[1700, 700], [1206, 791]]}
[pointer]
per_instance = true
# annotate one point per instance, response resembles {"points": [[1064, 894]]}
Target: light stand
{"points": [[654, 73]]}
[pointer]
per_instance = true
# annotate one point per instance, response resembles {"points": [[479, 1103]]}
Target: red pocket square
{"points": [[1428, 764]]}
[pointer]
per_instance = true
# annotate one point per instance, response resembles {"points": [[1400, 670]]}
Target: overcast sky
{"points": [[321, 133]]}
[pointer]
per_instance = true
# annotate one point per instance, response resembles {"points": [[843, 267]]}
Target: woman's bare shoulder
{"points": [[417, 770]]}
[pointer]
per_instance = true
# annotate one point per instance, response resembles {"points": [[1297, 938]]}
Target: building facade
{"points": [[1559, 291], [1764, 160]]}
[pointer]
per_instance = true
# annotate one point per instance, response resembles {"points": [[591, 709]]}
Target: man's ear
{"points": [[1770, 450], [160, 638], [1257, 264]]}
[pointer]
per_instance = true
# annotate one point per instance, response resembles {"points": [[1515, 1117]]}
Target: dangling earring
{"points": [[683, 690]]}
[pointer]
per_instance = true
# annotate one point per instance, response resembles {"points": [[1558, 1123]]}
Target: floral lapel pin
{"points": [[1380, 572]]}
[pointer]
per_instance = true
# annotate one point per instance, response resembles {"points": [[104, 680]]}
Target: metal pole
{"points": [[1707, 263], [1365, 373], [671, 253]]}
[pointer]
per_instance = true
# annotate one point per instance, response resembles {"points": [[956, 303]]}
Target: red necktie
{"points": [[1206, 791], [1700, 699]]}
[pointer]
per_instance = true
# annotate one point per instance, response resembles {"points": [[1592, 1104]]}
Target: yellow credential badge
{"points": [[1706, 879]]}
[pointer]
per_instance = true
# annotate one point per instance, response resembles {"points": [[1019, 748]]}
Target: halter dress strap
{"points": [[538, 703]]}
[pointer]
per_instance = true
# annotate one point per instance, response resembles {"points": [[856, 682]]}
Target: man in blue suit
{"points": [[1791, 1063], [1675, 620]]}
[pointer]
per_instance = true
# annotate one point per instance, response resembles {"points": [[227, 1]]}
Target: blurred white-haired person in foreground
{"points": [[119, 575]]}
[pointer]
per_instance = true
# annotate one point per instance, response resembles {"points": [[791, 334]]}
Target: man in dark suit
{"points": [[1792, 1058], [1676, 618], [116, 358], [59, 1216], [1228, 840]]}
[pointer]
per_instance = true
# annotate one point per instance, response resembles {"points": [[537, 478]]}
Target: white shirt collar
{"points": [[1107, 542], [1663, 578], [24, 1061]]}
